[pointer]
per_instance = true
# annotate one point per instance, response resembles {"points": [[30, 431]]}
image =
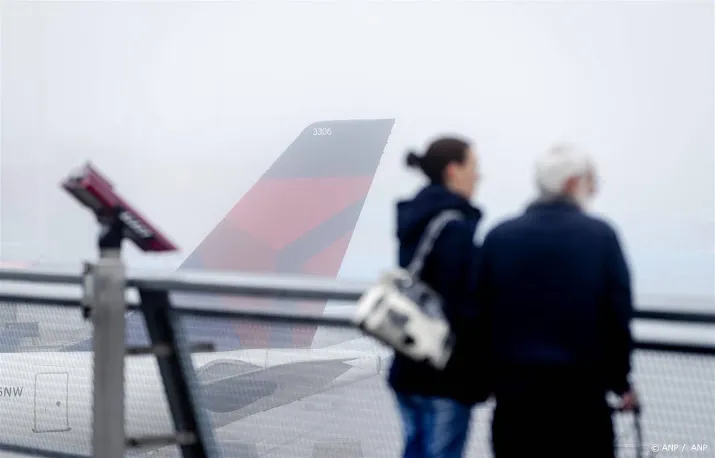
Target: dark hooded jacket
{"points": [[450, 270]]}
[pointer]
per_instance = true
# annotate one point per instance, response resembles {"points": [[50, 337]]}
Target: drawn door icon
{"points": [[51, 396]]}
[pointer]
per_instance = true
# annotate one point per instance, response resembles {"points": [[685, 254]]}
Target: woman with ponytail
{"points": [[435, 406]]}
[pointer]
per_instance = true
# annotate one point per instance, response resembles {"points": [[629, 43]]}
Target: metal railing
{"points": [[20, 286]]}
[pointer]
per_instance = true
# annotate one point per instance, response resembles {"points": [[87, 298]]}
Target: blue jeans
{"points": [[433, 427]]}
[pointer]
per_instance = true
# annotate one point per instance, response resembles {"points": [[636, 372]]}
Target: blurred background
{"points": [[186, 104]]}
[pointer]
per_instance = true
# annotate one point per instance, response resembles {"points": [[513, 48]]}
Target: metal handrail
{"points": [[277, 286]]}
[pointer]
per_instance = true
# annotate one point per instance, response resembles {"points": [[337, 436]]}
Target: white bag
{"points": [[405, 313]]}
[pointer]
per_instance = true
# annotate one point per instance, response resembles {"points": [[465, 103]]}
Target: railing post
{"points": [[194, 434]]}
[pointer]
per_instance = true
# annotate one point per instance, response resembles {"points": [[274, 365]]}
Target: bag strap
{"points": [[434, 229]]}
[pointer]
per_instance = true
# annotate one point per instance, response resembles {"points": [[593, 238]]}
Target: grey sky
{"points": [[184, 105]]}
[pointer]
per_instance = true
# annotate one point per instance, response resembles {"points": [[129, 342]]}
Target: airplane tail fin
{"points": [[298, 218]]}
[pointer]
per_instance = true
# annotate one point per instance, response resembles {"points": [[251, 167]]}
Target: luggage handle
{"points": [[636, 412]]}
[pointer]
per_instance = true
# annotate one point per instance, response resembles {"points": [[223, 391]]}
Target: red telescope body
{"points": [[95, 192]]}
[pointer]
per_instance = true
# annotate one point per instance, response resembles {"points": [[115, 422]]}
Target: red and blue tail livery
{"points": [[298, 218]]}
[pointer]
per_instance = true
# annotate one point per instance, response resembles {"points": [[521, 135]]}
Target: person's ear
{"points": [[571, 185], [449, 172]]}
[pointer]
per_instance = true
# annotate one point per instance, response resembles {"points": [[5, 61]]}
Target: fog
{"points": [[184, 105]]}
